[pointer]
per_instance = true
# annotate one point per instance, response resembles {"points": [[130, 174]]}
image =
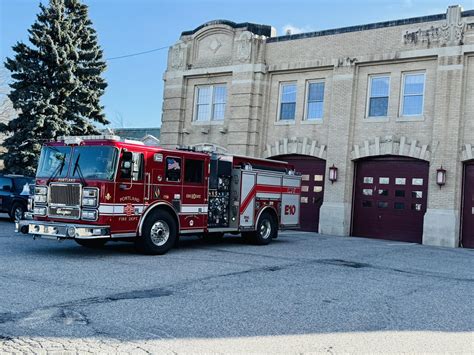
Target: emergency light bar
{"points": [[108, 137], [79, 139]]}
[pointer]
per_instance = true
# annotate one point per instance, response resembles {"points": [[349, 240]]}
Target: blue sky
{"points": [[134, 95]]}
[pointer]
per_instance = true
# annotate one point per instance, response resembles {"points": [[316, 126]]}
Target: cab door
{"points": [[130, 190], [194, 206]]}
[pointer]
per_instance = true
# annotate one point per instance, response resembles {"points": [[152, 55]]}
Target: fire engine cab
{"points": [[94, 189]]}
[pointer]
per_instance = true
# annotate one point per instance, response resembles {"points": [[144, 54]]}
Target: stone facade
{"points": [[253, 63]]}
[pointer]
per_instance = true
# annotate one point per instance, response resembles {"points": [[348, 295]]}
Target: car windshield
{"points": [[94, 162], [54, 161]]}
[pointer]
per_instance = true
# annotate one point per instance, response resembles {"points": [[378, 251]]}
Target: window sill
{"points": [[315, 121], [380, 119], [207, 123], [411, 118], [285, 123]]}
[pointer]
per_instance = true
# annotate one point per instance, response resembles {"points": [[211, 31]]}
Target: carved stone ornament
{"points": [[453, 29], [178, 55], [244, 46], [451, 33], [215, 45]]}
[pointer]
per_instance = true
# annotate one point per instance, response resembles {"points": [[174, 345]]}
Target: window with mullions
{"points": [[413, 94], [210, 102], [379, 92], [315, 101], [287, 101]]}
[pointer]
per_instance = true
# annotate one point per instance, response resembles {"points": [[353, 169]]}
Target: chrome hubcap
{"points": [[265, 229], [160, 233]]}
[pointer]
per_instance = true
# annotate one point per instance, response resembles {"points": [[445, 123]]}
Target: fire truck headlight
{"points": [[90, 192], [41, 190], [90, 215], [39, 211], [89, 201], [40, 198], [30, 204]]}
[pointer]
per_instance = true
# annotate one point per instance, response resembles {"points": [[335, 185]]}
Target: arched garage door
{"points": [[312, 188], [467, 233], [390, 195]]}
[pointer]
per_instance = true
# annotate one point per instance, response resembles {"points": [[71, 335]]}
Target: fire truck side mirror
{"points": [[127, 160], [127, 156]]}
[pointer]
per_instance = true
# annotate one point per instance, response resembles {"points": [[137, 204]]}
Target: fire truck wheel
{"points": [[159, 234], [91, 243], [266, 230]]}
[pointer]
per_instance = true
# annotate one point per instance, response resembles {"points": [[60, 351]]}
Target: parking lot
{"points": [[303, 293]]}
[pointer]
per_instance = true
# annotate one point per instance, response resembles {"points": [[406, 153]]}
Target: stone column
{"points": [[335, 214], [246, 105], [174, 95], [441, 223]]}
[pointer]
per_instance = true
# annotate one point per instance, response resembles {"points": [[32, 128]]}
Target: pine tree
{"points": [[84, 104], [57, 83]]}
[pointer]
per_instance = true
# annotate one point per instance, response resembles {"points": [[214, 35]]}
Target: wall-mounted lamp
{"points": [[332, 174], [441, 176]]}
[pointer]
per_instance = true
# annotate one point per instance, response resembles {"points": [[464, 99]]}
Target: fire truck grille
{"points": [[64, 212], [65, 194]]}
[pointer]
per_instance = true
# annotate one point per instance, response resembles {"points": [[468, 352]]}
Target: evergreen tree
{"points": [[57, 83], [84, 103]]}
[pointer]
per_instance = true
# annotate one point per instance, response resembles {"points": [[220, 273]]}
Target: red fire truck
{"points": [[94, 189]]}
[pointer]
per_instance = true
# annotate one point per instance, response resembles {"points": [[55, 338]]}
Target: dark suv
{"points": [[14, 192]]}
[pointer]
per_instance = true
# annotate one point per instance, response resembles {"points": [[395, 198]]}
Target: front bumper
{"points": [[57, 230]]}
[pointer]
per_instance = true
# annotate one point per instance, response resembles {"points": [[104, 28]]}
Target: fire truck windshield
{"points": [[90, 162], [94, 162], [54, 161]]}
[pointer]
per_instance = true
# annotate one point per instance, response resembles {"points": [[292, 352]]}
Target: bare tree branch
{"points": [[7, 112]]}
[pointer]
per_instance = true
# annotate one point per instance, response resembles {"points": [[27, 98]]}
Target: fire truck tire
{"points": [[91, 243], [159, 235], [267, 230]]}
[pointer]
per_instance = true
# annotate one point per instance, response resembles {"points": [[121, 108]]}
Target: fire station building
{"points": [[378, 118]]}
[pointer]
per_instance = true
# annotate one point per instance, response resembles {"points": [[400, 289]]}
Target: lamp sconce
{"points": [[332, 174], [441, 176]]}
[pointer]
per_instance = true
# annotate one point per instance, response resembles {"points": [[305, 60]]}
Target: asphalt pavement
{"points": [[303, 293]]}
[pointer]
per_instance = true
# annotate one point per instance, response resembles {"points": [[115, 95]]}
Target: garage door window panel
{"points": [[399, 193]]}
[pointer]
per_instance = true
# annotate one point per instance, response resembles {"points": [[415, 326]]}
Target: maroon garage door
{"points": [[312, 188], [468, 207], [390, 198]]}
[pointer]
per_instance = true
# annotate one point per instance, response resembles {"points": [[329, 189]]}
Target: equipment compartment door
{"points": [[290, 201], [247, 199]]}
